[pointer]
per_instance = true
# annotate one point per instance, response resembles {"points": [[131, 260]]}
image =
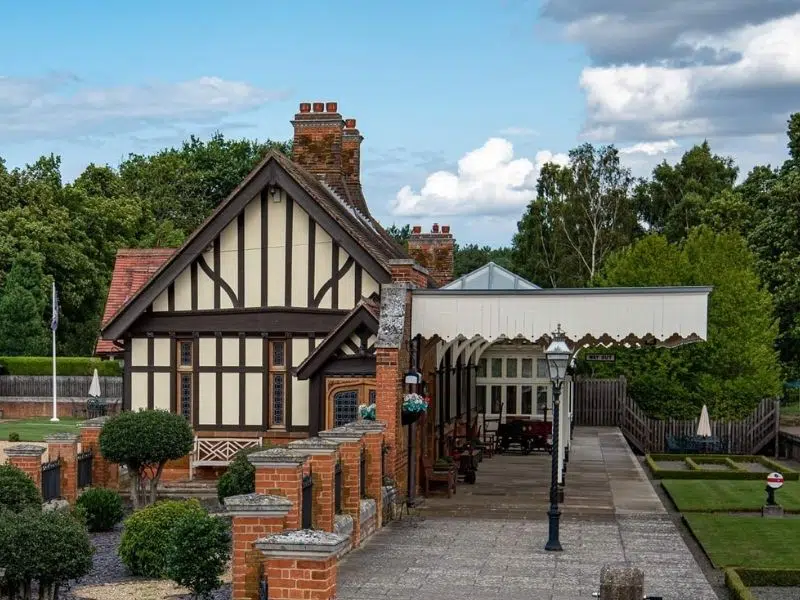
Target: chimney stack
{"points": [[322, 145], [435, 251]]}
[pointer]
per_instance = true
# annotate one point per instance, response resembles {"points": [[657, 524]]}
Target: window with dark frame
{"points": [[277, 382], [185, 350]]}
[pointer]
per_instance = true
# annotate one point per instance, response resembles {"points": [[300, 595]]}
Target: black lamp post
{"points": [[558, 356]]}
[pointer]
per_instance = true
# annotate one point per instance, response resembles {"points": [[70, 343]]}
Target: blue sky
{"points": [[502, 84]]}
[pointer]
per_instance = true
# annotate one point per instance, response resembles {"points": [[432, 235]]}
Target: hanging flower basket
{"points": [[367, 412], [414, 406]]}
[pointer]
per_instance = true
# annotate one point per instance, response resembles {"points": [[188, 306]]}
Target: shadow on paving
{"points": [[488, 541]]}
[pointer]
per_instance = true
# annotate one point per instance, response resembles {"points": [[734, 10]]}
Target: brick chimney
{"points": [[320, 145], [435, 251]]}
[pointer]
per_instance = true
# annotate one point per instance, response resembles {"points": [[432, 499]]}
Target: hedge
{"points": [[695, 470], [66, 365], [739, 580]]}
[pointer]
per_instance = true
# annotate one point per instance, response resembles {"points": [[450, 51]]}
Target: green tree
{"points": [[583, 211], [24, 327], [400, 234], [737, 367], [469, 257]]}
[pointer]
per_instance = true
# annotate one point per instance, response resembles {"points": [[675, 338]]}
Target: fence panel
{"points": [[337, 488], [51, 480], [307, 501], [598, 401], [67, 386], [85, 469]]}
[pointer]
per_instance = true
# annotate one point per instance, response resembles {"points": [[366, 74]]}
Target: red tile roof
{"points": [[132, 269]]}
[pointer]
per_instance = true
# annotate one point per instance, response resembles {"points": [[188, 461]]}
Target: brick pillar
{"points": [[279, 472], [373, 444], [27, 458], [350, 454], [64, 446], [253, 516], [104, 473], [302, 564], [323, 455]]}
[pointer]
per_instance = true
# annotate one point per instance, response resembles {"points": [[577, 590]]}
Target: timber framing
{"points": [[271, 172]]}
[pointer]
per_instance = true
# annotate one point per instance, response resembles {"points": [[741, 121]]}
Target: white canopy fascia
{"points": [[664, 316]]}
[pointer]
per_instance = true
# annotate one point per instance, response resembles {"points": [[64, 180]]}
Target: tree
{"points": [[24, 327], [673, 201], [737, 367], [583, 211], [469, 257], [400, 234], [198, 552], [144, 442]]}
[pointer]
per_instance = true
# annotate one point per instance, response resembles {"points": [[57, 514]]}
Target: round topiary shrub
{"points": [[13, 436], [102, 507], [17, 490], [198, 553], [148, 535]]}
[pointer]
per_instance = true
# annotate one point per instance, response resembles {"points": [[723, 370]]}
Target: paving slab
{"points": [[488, 541]]}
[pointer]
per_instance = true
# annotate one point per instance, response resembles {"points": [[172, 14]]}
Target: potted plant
{"points": [[444, 463], [367, 412], [414, 406]]}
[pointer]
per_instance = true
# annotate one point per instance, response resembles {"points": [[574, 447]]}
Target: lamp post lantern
{"points": [[558, 356]]}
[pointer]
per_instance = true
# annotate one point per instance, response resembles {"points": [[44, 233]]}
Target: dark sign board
{"points": [[602, 357]]}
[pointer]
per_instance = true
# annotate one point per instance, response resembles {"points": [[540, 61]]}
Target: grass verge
{"points": [[35, 429], [699, 495]]}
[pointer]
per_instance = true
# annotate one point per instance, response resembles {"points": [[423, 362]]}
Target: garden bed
{"points": [[728, 495], [700, 466], [763, 584]]}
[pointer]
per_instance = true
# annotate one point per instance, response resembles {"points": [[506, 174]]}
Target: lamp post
{"points": [[558, 356]]}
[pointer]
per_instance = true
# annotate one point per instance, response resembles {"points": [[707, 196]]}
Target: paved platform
{"points": [[487, 542]]}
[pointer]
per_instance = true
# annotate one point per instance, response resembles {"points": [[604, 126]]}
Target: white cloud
{"points": [[58, 106], [518, 132], [651, 148], [752, 92], [488, 181]]}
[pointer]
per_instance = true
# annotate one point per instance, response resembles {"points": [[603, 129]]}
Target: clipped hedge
{"points": [[694, 463], [66, 365], [739, 580]]}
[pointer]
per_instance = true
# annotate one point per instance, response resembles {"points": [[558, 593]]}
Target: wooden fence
{"points": [[72, 386], [601, 402]]}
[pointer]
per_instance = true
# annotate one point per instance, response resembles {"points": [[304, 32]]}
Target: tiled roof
{"points": [[132, 269]]}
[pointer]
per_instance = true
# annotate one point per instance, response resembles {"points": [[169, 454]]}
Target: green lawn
{"points": [[753, 542], [35, 429], [725, 495]]}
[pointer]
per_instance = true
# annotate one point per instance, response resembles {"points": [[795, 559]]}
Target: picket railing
{"points": [[67, 386], [606, 403]]}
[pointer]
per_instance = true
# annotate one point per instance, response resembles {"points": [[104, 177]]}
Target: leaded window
{"points": [[186, 396], [372, 396], [278, 398], [345, 407], [185, 354]]}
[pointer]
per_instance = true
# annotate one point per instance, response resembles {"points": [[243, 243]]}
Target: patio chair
{"points": [[448, 477]]}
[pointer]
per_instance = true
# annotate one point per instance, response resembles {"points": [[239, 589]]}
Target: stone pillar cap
{"points": [[258, 505], [96, 423], [342, 434], [314, 446], [302, 544], [366, 425], [61, 437], [25, 450], [277, 457]]}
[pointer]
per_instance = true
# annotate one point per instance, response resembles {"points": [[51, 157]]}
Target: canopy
{"points": [[704, 426], [94, 388]]}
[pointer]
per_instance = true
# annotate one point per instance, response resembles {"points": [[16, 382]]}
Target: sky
{"points": [[460, 102]]}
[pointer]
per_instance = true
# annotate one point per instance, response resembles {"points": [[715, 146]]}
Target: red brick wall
{"points": [[104, 473], [17, 408], [295, 578], [435, 251], [246, 560], [283, 481]]}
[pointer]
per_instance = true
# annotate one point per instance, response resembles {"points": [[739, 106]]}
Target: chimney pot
{"points": [[331, 107], [349, 123], [305, 107], [416, 230], [445, 228], [435, 228], [318, 106]]}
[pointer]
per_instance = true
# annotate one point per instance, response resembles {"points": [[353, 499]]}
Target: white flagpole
{"points": [[55, 409]]}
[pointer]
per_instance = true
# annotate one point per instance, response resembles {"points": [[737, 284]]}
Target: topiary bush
{"points": [[13, 436], [49, 547], [147, 536], [198, 552], [240, 478], [102, 508], [17, 490]]}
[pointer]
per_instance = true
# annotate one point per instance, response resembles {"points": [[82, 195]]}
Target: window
{"points": [[527, 400], [541, 369], [372, 396], [497, 367], [277, 383], [497, 401], [511, 399], [480, 396], [511, 368], [541, 399], [185, 350], [482, 367], [527, 368], [345, 407]]}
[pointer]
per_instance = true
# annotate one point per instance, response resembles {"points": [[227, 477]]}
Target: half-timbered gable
{"points": [[219, 330]]}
